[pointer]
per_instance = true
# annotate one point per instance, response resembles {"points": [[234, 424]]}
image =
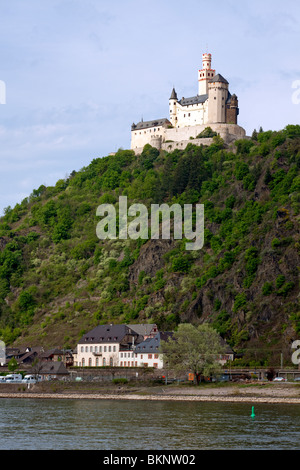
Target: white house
{"points": [[147, 353], [101, 346]]}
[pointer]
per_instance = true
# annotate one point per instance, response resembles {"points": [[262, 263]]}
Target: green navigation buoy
{"points": [[252, 414]]}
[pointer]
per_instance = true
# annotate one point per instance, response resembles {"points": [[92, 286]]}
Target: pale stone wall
{"points": [[182, 144], [191, 115], [181, 137], [141, 137]]}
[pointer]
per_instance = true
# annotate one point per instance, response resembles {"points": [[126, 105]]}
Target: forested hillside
{"points": [[58, 280]]}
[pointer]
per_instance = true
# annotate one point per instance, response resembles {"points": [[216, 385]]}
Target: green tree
{"points": [[193, 349], [12, 364]]}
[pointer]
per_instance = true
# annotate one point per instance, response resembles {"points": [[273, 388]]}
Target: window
{"points": [[104, 362], [104, 348], [83, 362], [82, 349], [156, 356], [114, 348], [111, 362], [149, 356], [97, 361], [90, 362], [155, 365]]}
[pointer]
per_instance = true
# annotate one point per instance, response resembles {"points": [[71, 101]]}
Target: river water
{"points": [[79, 424]]}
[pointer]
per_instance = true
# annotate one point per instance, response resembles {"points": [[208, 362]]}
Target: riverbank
{"points": [[249, 392]]}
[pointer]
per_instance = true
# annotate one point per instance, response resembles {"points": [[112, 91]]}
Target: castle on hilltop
{"points": [[214, 106]]}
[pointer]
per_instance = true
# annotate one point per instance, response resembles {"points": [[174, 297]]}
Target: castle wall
{"points": [[141, 137], [180, 137], [191, 115], [182, 144]]}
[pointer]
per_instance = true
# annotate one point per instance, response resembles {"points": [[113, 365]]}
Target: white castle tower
{"points": [[205, 74]]}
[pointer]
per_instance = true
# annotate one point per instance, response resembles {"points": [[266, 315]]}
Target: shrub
{"points": [[280, 281], [239, 301], [286, 288], [241, 170], [120, 381], [180, 264], [267, 288]]}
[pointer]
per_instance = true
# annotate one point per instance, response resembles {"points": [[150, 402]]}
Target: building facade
{"points": [[136, 345], [214, 106], [102, 345]]}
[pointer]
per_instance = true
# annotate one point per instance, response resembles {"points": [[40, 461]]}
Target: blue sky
{"points": [[79, 72]]}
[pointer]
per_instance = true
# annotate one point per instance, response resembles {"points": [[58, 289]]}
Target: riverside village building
{"points": [[214, 106], [134, 345]]}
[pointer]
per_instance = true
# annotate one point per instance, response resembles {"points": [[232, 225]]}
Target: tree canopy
{"points": [[193, 349]]}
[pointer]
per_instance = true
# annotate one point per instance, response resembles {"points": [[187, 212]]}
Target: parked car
{"points": [[13, 378], [279, 379], [297, 379], [2, 378], [31, 379]]}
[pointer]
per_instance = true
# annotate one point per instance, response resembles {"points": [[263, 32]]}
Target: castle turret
{"points": [[172, 104], [205, 74], [232, 109]]}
